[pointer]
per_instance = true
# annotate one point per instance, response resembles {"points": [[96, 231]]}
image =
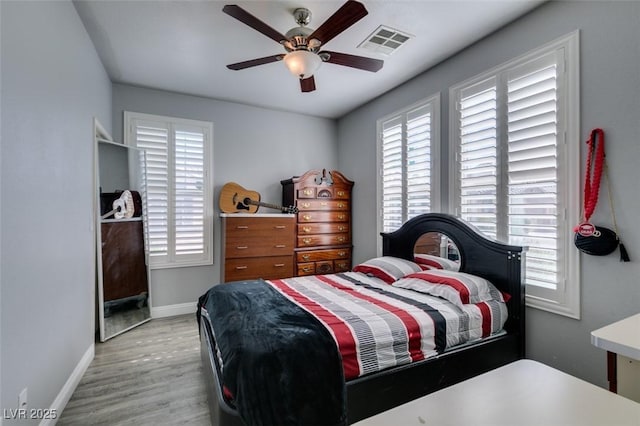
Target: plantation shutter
{"points": [[189, 210], [516, 171], [392, 195], [154, 139], [178, 190], [532, 121], [405, 166], [478, 156], [418, 161]]}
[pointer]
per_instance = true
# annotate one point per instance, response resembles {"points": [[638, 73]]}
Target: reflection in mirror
{"points": [[123, 284], [437, 250]]}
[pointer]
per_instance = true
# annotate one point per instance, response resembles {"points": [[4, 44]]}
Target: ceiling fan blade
{"points": [[308, 84], [353, 61], [245, 17], [350, 13], [255, 62]]}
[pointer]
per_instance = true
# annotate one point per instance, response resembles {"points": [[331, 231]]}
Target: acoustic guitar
{"points": [[235, 199]]}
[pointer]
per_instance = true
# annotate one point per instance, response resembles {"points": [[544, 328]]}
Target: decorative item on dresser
{"points": [[323, 230], [257, 246]]}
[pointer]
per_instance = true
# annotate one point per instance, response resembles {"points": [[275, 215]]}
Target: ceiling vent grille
{"points": [[385, 40]]}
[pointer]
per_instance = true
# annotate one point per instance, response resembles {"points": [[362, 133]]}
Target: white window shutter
{"points": [[478, 156], [179, 191], [153, 137], [532, 121], [406, 144], [516, 171], [418, 163], [189, 207], [392, 194]]}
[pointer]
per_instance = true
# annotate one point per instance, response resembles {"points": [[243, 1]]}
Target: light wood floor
{"points": [[151, 375]]}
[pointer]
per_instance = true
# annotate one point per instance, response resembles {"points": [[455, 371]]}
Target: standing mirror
{"points": [[122, 269]]}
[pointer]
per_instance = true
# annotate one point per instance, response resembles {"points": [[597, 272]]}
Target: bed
{"points": [[344, 388]]}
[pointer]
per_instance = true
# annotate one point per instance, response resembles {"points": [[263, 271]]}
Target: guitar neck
{"points": [[268, 205]]}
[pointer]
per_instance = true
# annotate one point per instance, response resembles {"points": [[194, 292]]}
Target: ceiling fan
{"points": [[303, 44]]}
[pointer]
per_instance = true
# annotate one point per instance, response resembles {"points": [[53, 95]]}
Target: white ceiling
{"points": [[184, 46]]}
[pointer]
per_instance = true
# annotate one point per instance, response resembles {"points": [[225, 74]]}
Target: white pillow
{"points": [[435, 262], [458, 288], [387, 268]]}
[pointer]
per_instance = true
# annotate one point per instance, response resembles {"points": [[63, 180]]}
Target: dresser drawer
{"points": [[315, 216], [324, 267], [316, 268], [271, 267], [322, 228], [306, 269], [323, 205], [315, 255], [307, 193], [341, 194], [323, 240], [253, 247], [342, 265], [257, 227]]}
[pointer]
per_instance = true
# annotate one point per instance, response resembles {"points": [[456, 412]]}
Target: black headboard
{"points": [[499, 263]]}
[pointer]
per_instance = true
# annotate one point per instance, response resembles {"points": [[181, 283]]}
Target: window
{"points": [[178, 185], [515, 167], [408, 175]]}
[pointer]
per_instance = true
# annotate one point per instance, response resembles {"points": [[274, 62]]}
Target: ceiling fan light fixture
{"points": [[302, 63]]}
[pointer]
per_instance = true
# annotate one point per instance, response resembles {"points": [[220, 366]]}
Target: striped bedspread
{"points": [[378, 326]]}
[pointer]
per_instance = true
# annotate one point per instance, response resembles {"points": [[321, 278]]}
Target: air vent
{"points": [[385, 40]]}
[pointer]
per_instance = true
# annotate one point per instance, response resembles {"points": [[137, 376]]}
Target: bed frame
{"points": [[368, 395]]}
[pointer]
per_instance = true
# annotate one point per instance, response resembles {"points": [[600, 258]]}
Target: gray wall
{"points": [[254, 147], [52, 85], [610, 80]]}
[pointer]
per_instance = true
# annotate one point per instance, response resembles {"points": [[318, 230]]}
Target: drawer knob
{"points": [[280, 246], [242, 247], [341, 205], [306, 217], [308, 192], [341, 217], [306, 229], [340, 239], [278, 265], [241, 267], [306, 241], [306, 205], [341, 228], [324, 204], [307, 269], [342, 253], [279, 227], [341, 193], [242, 227], [306, 257]]}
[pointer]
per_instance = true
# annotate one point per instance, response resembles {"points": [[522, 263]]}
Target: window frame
{"points": [[171, 259], [434, 102], [565, 299]]}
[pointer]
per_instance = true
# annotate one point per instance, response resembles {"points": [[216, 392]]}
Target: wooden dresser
{"points": [[124, 269], [323, 230], [257, 246]]}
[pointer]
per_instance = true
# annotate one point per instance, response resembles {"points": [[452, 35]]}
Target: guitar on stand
{"points": [[235, 199]]}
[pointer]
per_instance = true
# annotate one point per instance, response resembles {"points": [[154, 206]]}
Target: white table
{"points": [[522, 393], [621, 340]]}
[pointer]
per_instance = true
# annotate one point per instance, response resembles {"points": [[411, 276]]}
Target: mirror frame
{"points": [[102, 136]]}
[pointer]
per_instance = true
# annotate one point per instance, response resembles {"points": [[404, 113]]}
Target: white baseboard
{"points": [[173, 310], [70, 386]]}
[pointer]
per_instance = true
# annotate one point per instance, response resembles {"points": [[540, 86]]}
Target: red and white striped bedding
{"points": [[377, 326]]}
